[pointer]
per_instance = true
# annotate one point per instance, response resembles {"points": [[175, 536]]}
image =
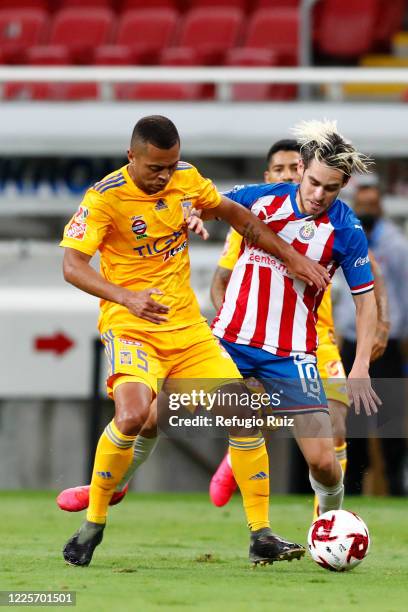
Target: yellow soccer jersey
{"points": [[143, 242], [232, 247], [325, 324]]}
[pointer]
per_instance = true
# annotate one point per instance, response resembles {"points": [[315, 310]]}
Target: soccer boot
{"points": [[266, 547], [77, 498], [223, 484], [79, 549]]}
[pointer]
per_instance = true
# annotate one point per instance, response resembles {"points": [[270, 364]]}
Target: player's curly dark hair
{"points": [[156, 130]]}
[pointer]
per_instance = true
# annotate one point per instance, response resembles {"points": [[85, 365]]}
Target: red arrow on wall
{"points": [[58, 343]]}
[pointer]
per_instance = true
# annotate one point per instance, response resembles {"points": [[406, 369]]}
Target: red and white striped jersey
{"points": [[266, 308]]}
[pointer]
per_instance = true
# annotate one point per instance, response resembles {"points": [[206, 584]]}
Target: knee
{"points": [[130, 421], [339, 431], [323, 463]]}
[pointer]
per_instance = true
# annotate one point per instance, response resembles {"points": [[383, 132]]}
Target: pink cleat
{"points": [[77, 498], [223, 484]]}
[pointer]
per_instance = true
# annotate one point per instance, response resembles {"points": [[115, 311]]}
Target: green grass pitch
{"points": [[178, 552]]}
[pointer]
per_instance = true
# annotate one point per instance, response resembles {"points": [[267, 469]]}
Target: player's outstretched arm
{"points": [[79, 272], [359, 385], [258, 234], [383, 320]]}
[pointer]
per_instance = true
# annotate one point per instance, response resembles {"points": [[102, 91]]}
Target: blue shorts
{"points": [[293, 383]]}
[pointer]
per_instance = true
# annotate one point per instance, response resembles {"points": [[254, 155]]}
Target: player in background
{"points": [[282, 167], [150, 323], [268, 320]]}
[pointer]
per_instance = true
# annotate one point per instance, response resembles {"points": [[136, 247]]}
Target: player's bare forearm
{"points": [[219, 286], [366, 319], [79, 272], [380, 291], [247, 224], [383, 320], [359, 386], [256, 233]]}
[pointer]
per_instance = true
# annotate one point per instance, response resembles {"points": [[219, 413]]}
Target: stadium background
{"points": [[64, 127]]}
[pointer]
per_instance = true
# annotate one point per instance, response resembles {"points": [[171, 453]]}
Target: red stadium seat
{"points": [[242, 5], [24, 4], [210, 33], [52, 55], [81, 30], [47, 55], [250, 57], [112, 55], [390, 19], [347, 29], [129, 5], [158, 28], [20, 29], [246, 56], [277, 30], [165, 91], [105, 4], [267, 4]]}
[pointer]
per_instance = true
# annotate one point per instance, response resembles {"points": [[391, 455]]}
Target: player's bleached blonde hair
{"points": [[320, 140]]}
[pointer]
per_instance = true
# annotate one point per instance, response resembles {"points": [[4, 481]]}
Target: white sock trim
{"points": [[318, 487], [329, 498]]}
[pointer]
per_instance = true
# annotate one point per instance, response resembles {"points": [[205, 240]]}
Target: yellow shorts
{"points": [[187, 353], [332, 372]]}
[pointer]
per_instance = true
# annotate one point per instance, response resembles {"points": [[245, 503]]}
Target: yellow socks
{"points": [[341, 455], [113, 456], [249, 462]]}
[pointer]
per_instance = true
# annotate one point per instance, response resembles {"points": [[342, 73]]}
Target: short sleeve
{"points": [[208, 195], [247, 195], [87, 228], [230, 253], [354, 260]]}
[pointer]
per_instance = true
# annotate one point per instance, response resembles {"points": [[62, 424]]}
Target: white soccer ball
{"points": [[338, 540]]}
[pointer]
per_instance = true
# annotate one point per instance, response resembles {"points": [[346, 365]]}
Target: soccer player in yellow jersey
{"points": [[282, 161], [150, 323]]}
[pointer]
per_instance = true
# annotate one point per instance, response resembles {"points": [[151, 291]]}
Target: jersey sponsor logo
{"points": [[76, 230], [161, 205], [125, 357], [265, 259], [361, 261], [307, 231], [81, 214], [159, 245], [130, 342], [139, 227], [175, 250]]}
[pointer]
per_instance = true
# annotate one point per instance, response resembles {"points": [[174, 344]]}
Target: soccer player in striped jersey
{"points": [[282, 167], [268, 320]]}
